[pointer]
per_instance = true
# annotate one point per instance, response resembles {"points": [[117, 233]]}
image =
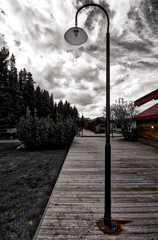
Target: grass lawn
{"points": [[27, 179]]}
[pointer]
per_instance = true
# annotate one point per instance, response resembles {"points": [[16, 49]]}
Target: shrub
{"points": [[37, 132]]}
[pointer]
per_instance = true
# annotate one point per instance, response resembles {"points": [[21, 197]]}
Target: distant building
{"points": [[91, 125], [147, 121]]}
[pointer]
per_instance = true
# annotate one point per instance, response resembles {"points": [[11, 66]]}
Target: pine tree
{"points": [[16, 105], [45, 103], [67, 109], [5, 97], [61, 108], [75, 112], [52, 107], [22, 79], [38, 101], [55, 111], [29, 93]]}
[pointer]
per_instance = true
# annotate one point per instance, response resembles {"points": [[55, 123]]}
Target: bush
{"points": [[129, 134], [37, 132]]}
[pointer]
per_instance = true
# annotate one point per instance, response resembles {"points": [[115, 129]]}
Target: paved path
{"points": [[87, 133], [77, 201], [91, 134]]}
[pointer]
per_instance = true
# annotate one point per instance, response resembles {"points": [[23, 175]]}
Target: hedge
{"points": [[37, 132]]}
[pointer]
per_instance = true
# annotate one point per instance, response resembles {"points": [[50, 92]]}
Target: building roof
{"points": [[147, 98], [149, 113], [101, 119]]}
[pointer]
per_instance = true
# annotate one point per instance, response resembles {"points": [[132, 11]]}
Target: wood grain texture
{"points": [[77, 201]]}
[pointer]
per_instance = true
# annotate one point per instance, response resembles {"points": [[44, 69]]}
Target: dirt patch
{"points": [[27, 179]]}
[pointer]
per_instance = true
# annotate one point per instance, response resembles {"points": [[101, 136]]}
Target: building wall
{"points": [[148, 129], [93, 123]]}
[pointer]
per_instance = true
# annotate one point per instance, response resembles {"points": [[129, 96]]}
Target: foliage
{"points": [[10, 97], [44, 132], [122, 113]]}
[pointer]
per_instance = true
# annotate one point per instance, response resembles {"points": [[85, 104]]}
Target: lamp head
{"points": [[76, 36]]}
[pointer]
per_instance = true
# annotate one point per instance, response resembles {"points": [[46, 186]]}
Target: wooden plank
{"points": [[77, 201]]}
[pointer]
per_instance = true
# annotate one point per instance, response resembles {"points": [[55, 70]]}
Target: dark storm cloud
{"points": [[93, 15], [146, 64], [145, 18], [51, 74], [58, 93], [130, 65], [92, 48], [134, 46], [82, 86], [100, 89], [140, 64], [54, 77], [83, 100], [87, 73], [150, 9], [120, 80], [138, 36], [93, 12], [126, 46]]}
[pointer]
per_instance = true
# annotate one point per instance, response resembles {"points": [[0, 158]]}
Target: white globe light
{"points": [[76, 36]]}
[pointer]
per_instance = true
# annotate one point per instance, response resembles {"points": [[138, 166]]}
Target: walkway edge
{"points": [[51, 195]]}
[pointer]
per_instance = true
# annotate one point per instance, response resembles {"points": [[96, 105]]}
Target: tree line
{"points": [[18, 95]]}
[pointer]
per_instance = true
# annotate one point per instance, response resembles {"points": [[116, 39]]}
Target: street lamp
{"points": [[77, 36], [81, 122]]}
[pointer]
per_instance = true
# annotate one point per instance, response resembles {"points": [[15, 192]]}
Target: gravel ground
{"points": [[27, 179]]}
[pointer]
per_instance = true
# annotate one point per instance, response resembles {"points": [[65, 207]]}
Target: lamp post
{"points": [[81, 123], [77, 36]]}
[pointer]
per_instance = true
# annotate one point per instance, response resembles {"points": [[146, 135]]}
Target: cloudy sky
{"points": [[33, 30]]}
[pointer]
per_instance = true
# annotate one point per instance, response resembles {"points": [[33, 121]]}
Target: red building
{"points": [[147, 121]]}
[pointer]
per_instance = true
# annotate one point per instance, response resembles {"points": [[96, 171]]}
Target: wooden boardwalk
{"points": [[77, 201]]}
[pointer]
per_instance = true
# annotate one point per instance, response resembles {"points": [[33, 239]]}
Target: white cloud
{"points": [[34, 30]]}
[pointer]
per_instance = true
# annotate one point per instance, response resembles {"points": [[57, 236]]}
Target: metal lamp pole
{"points": [[81, 121], [82, 124], [77, 36]]}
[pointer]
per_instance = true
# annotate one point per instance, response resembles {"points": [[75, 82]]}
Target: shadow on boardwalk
{"points": [[77, 201]]}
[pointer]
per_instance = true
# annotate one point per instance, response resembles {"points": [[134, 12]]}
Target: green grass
{"points": [[27, 179]]}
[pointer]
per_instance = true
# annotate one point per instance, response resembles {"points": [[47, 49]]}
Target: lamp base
{"points": [[105, 229]]}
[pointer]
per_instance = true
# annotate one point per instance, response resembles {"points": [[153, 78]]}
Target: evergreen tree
{"points": [[45, 104], [38, 101], [5, 97], [61, 108], [52, 107], [67, 109], [29, 93], [22, 79], [75, 112], [16, 105]]}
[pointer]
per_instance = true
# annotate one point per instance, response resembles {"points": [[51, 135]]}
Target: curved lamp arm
{"points": [[76, 35], [95, 5]]}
